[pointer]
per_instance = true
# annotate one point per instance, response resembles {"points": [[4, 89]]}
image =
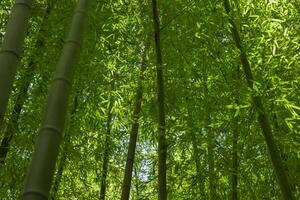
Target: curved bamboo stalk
{"points": [[40, 174], [11, 50]]}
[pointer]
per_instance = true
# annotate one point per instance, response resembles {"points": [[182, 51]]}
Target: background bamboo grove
{"points": [[179, 99]]}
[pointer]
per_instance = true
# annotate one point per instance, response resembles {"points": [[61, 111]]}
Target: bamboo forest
{"points": [[150, 99]]}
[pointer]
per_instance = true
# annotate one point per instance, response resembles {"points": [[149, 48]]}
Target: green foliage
{"points": [[203, 95]]}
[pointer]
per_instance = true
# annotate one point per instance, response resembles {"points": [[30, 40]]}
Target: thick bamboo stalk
{"points": [[40, 174], [162, 142], [262, 116], [11, 50], [22, 95], [63, 160]]}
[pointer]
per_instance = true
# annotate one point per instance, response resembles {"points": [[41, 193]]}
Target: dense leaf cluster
{"points": [[208, 104]]}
